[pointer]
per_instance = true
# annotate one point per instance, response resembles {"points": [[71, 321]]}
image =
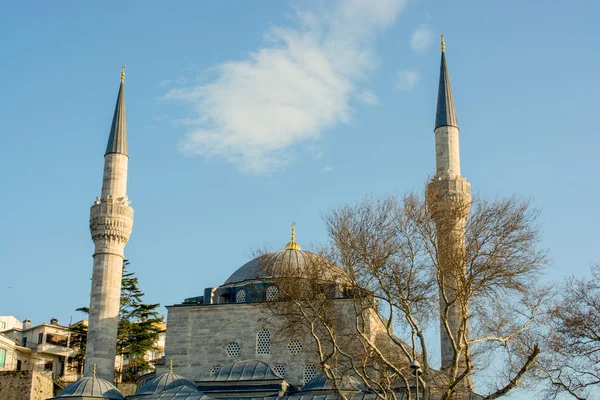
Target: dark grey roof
{"points": [[163, 382], [320, 382], [445, 114], [249, 370], [177, 393], [266, 266], [117, 141], [90, 387]]}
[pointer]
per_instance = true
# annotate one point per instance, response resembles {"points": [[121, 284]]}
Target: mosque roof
{"points": [[445, 114], [91, 387], [248, 370], [291, 258], [117, 141], [163, 382], [184, 392], [320, 382]]}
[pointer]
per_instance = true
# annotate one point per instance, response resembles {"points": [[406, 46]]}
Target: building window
{"points": [[240, 296], [279, 370], [18, 365], [295, 347], [233, 349], [2, 325], [24, 342], [263, 342], [48, 366], [2, 357], [272, 293], [40, 338], [310, 371], [215, 371]]}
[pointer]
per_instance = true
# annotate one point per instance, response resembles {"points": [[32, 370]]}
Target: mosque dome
{"points": [[164, 382], [90, 387], [291, 258]]}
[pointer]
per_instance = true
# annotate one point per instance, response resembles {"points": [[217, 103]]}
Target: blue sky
{"points": [[244, 116]]}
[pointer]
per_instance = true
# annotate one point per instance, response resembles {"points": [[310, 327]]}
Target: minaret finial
{"points": [[123, 72], [292, 245], [94, 370], [443, 44], [171, 366]]}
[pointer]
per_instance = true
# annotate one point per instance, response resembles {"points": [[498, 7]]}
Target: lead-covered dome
{"points": [[292, 259], [90, 387]]}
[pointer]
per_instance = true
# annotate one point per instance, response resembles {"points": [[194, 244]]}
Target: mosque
{"points": [[217, 344]]}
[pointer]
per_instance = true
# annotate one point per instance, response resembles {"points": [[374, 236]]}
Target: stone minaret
{"points": [[449, 200], [111, 220]]}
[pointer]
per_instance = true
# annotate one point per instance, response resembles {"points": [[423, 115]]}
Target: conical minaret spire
{"points": [[117, 140], [111, 221], [445, 113], [449, 201]]}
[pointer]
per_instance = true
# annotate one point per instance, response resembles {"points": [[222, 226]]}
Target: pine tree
{"points": [[140, 326]]}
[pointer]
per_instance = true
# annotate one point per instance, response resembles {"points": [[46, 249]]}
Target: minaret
{"points": [[111, 220], [449, 200]]}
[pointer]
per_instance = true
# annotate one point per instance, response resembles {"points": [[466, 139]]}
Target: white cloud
{"points": [[290, 91], [327, 169], [368, 97], [421, 38], [407, 79]]}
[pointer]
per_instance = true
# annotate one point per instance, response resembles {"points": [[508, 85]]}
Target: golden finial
{"points": [[94, 370], [171, 366], [292, 245], [443, 43], [123, 72]]}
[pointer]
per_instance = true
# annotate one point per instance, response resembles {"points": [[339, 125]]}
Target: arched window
{"points": [[272, 293], [263, 342], [310, 371], [233, 349], [279, 370], [294, 347], [240, 296]]}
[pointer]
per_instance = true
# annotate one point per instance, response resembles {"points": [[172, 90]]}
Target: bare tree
{"points": [[388, 283], [573, 363]]}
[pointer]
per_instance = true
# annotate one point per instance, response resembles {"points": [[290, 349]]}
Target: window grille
{"points": [[272, 293], [240, 296], [233, 349], [310, 372], [295, 347], [279, 370], [263, 342], [215, 371]]}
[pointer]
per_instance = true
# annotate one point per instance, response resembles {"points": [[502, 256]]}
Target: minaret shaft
{"points": [[111, 221], [447, 151], [114, 181]]}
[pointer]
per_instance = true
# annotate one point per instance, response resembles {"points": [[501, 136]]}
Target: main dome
{"points": [[270, 265], [293, 260]]}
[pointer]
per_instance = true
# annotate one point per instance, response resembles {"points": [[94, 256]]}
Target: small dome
{"points": [[265, 266], [91, 387], [164, 382]]}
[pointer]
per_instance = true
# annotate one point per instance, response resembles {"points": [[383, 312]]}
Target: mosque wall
{"points": [[203, 337]]}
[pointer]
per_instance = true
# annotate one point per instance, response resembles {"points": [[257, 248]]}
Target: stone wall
{"points": [[198, 336], [25, 385]]}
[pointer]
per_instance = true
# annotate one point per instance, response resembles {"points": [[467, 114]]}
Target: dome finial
{"points": [[443, 44], [123, 72], [292, 245], [171, 366], [94, 370]]}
